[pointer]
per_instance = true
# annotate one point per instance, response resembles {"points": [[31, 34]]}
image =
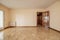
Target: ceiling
{"points": [[27, 3]]}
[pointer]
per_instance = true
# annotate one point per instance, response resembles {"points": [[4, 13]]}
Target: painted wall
{"points": [[24, 17], [6, 15], [55, 15]]}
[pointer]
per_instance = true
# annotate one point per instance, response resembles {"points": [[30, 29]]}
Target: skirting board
{"points": [[54, 29], [23, 26], [1, 29]]}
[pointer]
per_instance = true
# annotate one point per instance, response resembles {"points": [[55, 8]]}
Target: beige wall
{"points": [[24, 17], [55, 15], [6, 15]]}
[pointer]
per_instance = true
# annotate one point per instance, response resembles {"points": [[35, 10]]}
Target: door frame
{"points": [[48, 15]]}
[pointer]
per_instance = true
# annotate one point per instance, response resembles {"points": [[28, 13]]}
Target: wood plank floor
{"points": [[30, 33]]}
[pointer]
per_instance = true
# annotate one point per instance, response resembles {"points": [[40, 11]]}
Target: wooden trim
{"points": [[54, 29], [23, 26], [7, 28], [17, 26]]}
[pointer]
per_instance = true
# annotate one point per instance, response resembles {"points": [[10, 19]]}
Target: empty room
{"points": [[29, 19]]}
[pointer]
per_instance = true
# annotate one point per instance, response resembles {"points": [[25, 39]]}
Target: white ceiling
{"points": [[27, 3]]}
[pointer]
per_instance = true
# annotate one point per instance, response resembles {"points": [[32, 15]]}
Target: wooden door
{"points": [[39, 18]]}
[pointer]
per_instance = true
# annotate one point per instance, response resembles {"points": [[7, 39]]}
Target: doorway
{"points": [[1, 19], [39, 18], [43, 19]]}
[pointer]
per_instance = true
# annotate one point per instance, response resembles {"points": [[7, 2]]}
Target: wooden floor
{"points": [[30, 33]]}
